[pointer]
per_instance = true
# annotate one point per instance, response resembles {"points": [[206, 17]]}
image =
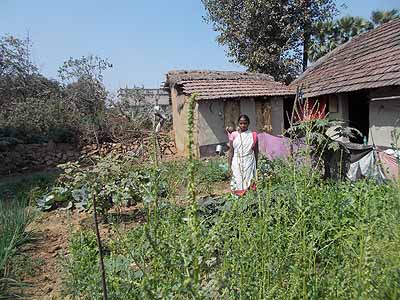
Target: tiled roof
{"points": [[370, 60], [219, 89], [221, 85]]}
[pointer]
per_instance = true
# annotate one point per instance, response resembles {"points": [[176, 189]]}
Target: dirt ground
{"points": [[51, 232]]}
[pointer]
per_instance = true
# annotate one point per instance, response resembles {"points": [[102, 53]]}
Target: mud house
{"points": [[359, 82], [221, 98]]}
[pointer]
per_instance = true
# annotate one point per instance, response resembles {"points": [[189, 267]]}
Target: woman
{"points": [[242, 157]]}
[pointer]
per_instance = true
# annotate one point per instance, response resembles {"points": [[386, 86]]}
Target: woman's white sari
{"points": [[243, 162]]}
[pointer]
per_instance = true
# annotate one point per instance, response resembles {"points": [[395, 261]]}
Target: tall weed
{"points": [[293, 239]]}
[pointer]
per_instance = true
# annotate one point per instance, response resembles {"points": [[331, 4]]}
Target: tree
{"points": [[19, 77], [85, 91], [268, 36], [380, 17], [328, 35], [31, 109], [308, 13]]}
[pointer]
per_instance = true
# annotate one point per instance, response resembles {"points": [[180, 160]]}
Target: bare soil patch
{"points": [[51, 232]]}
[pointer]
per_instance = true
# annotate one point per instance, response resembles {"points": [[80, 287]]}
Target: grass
{"points": [[174, 173], [298, 237], [15, 215]]}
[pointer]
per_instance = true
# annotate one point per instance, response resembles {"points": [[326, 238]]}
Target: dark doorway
{"points": [[359, 114], [288, 104]]}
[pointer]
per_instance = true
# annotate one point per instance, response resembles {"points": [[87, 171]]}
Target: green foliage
{"points": [[314, 132], [298, 238], [328, 35], [83, 262], [35, 109], [36, 120], [112, 180], [381, 16], [15, 215], [213, 170], [85, 88], [174, 174], [31, 108], [266, 36], [19, 77], [13, 220]]}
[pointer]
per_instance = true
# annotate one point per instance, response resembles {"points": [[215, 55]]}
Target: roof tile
{"points": [[369, 60], [243, 85]]}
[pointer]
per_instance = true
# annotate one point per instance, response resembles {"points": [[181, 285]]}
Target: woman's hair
{"points": [[246, 117]]}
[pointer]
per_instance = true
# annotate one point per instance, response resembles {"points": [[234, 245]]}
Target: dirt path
{"points": [[51, 232]]}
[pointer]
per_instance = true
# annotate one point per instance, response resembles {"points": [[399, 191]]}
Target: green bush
{"points": [[37, 121], [174, 174], [214, 170], [298, 237], [113, 180], [15, 215]]}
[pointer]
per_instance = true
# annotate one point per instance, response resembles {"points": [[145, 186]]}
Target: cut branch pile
{"points": [[141, 147]]}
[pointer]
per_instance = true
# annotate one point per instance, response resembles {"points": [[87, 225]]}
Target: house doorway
{"points": [[359, 114], [288, 104], [231, 113]]}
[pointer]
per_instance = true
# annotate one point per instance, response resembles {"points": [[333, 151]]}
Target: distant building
{"points": [[158, 97], [146, 97]]}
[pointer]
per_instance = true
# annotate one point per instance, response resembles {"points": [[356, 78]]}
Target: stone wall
{"points": [[25, 157]]}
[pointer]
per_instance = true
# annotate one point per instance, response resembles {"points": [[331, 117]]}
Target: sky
{"points": [[143, 39]]}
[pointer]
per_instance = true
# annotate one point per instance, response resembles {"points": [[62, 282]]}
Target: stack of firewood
{"points": [[141, 147]]}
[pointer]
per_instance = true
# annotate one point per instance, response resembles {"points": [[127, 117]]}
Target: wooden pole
{"points": [[101, 260]]}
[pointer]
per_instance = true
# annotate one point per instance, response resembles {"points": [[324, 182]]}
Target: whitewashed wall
{"points": [[384, 117]]}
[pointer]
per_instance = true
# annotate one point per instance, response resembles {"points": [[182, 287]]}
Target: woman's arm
{"points": [[256, 152], [230, 155]]}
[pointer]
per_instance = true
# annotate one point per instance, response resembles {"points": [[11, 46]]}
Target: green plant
{"points": [[208, 172], [15, 215], [293, 239], [309, 128], [14, 219], [111, 179]]}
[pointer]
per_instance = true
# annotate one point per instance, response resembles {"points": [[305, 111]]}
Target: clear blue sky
{"points": [[142, 38]]}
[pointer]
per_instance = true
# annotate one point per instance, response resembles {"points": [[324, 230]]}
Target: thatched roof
{"points": [[370, 60], [222, 84]]}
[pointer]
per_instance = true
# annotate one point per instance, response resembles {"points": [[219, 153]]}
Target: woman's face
{"points": [[243, 124]]}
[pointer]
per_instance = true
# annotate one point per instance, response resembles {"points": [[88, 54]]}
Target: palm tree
{"points": [[328, 35], [345, 26], [361, 25], [322, 37], [380, 17]]}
